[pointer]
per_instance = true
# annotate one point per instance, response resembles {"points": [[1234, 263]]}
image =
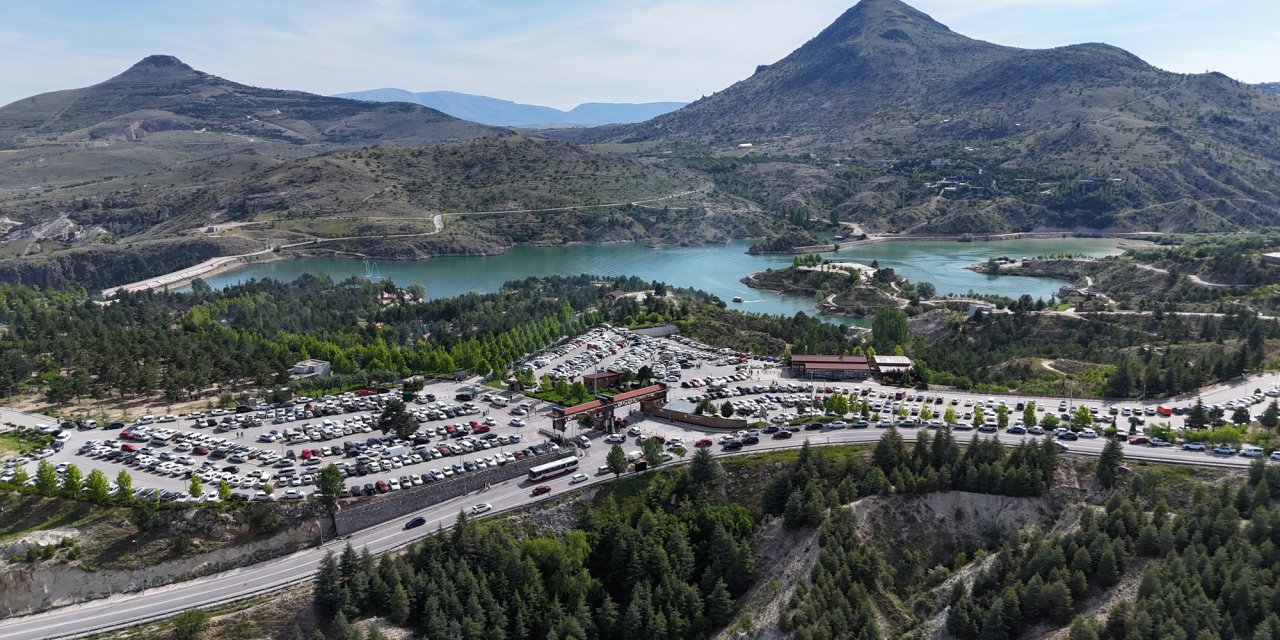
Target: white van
{"points": [[499, 401]]}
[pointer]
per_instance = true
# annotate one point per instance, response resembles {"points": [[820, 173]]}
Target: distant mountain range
{"points": [[505, 113], [1269, 87], [1085, 135]]}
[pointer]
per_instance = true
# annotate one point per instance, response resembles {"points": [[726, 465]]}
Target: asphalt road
{"points": [[123, 609], [120, 610]]}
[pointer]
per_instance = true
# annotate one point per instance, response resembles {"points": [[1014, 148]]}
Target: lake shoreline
{"points": [[716, 269]]}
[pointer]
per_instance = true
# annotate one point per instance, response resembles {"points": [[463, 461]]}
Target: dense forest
{"points": [[670, 554], [1208, 570], [1133, 355], [663, 555], [69, 346]]}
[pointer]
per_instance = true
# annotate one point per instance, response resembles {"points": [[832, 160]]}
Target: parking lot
{"points": [[275, 451]]}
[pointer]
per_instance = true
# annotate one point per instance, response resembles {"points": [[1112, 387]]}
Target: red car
{"points": [[481, 428], [541, 489], [382, 486], [658, 438], [128, 448], [199, 450], [1139, 440], [705, 442], [782, 435], [306, 454]]}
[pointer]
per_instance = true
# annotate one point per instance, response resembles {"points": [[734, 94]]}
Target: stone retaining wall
{"points": [[402, 503]]}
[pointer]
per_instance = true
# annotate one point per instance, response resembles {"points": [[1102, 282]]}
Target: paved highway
{"points": [[123, 609]]}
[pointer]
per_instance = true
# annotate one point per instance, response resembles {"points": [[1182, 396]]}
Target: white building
{"points": [[310, 368]]}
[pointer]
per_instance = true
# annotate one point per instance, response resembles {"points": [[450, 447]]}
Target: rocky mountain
{"points": [[1268, 87], [494, 111], [988, 137], [161, 93]]}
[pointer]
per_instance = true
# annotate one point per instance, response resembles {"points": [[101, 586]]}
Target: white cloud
{"points": [[557, 53]]}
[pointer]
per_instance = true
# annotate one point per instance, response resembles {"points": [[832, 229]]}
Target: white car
{"points": [[577, 477], [517, 422], [615, 438], [481, 508]]}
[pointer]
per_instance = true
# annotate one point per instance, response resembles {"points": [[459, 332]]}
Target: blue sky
{"points": [[562, 52]]}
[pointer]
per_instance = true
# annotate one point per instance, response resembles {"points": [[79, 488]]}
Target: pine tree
{"points": [[719, 604], [1109, 463], [1107, 573], [328, 593], [1082, 629], [398, 605]]}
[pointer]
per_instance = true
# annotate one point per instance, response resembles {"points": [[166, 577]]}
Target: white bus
{"points": [[553, 469]]}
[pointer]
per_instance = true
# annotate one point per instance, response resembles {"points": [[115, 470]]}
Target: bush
{"points": [[263, 519], [190, 625]]}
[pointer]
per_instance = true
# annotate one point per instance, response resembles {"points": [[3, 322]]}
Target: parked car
{"points": [[1193, 446]]}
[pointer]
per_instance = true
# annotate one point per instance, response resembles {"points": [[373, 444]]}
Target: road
{"points": [[124, 609]]}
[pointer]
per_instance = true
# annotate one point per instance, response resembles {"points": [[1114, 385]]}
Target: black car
{"points": [[355, 491], [1068, 435], [732, 445], [751, 440]]}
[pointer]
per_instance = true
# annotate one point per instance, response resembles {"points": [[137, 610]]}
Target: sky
{"points": [[563, 52]]}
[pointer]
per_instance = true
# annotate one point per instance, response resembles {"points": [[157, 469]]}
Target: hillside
{"points": [[118, 181], [161, 93], [384, 200], [1085, 135], [505, 113]]}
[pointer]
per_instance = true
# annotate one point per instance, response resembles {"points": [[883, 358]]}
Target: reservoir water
{"points": [[716, 269]]}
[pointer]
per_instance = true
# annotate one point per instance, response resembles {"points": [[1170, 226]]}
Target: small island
{"points": [[841, 288]]}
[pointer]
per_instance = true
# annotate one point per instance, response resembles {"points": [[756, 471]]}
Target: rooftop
{"points": [[839, 366], [809, 360]]}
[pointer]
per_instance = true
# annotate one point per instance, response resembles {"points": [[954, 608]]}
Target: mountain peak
{"points": [[158, 67], [161, 61], [894, 21]]}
